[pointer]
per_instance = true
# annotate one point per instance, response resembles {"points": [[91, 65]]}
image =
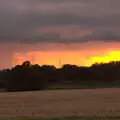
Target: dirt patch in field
{"points": [[100, 102]]}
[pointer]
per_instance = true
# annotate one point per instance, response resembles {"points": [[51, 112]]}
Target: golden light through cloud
{"points": [[108, 57]]}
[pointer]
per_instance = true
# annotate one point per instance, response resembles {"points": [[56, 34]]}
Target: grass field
{"points": [[67, 118], [61, 103]]}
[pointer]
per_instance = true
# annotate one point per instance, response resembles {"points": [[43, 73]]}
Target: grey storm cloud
{"points": [[19, 19], [107, 35], [101, 35]]}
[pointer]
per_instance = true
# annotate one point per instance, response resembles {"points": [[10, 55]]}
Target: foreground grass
{"points": [[67, 118], [61, 103], [65, 86]]}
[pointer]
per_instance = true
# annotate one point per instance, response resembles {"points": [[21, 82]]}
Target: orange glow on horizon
{"points": [[81, 54], [58, 58], [50, 58]]}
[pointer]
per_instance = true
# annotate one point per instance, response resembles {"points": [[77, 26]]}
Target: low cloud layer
{"points": [[31, 21]]}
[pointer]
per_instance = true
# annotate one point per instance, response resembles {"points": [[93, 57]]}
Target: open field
{"points": [[66, 118], [61, 103]]}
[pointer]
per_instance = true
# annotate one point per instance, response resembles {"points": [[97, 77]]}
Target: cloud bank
{"points": [[33, 21]]}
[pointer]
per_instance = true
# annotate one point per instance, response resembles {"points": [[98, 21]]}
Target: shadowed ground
{"points": [[61, 103]]}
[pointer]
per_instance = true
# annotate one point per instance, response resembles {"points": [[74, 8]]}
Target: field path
{"points": [[100, 102]]}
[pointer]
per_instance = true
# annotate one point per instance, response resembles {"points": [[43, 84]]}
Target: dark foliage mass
{"points": [[35, 77]]}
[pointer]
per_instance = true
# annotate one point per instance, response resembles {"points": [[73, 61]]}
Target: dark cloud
{"points": [[105, 35], [19, 19]]}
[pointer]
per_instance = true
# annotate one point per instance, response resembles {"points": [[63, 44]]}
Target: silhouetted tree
{"points": [[35, 77]]}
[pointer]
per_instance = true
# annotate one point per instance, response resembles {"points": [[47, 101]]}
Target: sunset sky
{"points": [[58, 32]]}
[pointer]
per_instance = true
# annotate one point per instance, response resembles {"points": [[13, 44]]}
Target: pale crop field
{"points": [[61, 103]]}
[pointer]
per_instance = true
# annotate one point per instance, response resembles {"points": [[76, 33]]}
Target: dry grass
{"points": [[99, 102]]}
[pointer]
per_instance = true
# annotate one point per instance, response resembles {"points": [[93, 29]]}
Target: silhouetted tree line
{"points": [[35, 77]]}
